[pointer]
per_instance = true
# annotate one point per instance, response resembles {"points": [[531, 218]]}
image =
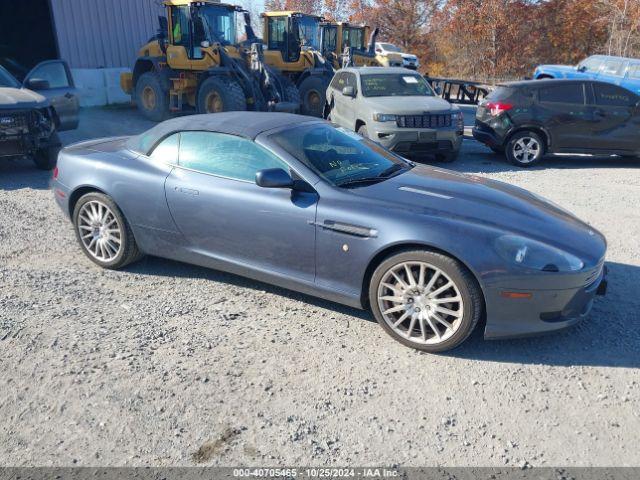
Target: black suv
{"points": [[34, 110], [528, 119]]}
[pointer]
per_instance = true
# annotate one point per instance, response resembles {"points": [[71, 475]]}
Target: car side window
{"points": [[55, 73], [592, 64], [167, 150], [225, 155], [350, 79], [338, 81], [634, 71], [613, 67], [566, 93], [613, 96]]}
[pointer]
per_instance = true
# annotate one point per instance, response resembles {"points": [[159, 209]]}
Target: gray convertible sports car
{"points": [[295, 202]]}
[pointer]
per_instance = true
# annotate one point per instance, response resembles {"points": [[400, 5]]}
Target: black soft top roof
{"points": [[244, 124]]}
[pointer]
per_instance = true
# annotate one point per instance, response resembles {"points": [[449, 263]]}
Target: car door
{"points": [[336, 98], [563, 111], [588, 68], [61, 90], [612, 71], [347, 105], [632, 78], [616, 118], [225, 216]]}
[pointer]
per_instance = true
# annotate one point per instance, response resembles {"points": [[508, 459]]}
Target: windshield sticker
{"points": [[410, 79]]}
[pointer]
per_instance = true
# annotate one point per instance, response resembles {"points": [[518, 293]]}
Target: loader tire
{"points": [[291, 92], [220, 94], [313, 92], [152, 100]]}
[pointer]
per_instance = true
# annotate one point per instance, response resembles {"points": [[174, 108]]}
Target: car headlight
{"points": [[384, 117], [537, 255], [458, 119]]}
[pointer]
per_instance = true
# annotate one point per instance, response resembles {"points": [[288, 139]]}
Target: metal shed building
{"points": [[97, 38], [103, 33]]}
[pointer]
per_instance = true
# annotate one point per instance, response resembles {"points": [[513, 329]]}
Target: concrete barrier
{"points": [[99, 86]]}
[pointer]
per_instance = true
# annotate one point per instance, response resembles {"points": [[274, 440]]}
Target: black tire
{"points": [[46, 158], [152, 100], [291, 92], [128, 251], [362, 131], [447, 157], [465, 282], [313, 92], [221, 94], [513, 149]]}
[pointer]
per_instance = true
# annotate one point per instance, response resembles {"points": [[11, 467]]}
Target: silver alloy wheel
{"points": [[420, 302], [100, 231], [526, 149]]}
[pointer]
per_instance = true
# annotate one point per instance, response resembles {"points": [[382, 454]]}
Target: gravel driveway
{"points": [[169, 364]]}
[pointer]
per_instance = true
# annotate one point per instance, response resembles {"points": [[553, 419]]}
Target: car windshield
{"points": [[7, 80], [218, 23], [390, 47], [395, 85], [341, 157]]}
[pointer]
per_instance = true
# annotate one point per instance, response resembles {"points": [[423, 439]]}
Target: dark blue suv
{"points": [[621, 71]]}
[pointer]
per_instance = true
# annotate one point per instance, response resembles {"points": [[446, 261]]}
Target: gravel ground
{"points": [[170, 364]]}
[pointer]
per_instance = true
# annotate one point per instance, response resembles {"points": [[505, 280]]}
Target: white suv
{"points": [[408, 60]]}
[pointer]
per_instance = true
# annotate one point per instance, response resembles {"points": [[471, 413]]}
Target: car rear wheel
{"points": [[362, 131], [525, 149], [425, 300], [103, 232]]}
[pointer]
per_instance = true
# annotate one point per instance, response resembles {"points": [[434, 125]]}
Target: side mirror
{"points": [[438, 90], [274, 178], [349, 91], [582, 69], [37, 84]]}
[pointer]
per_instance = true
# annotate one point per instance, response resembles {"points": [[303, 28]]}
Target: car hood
{"points": [[557, 68], [17, 98], [488, 203], [409, 105]]}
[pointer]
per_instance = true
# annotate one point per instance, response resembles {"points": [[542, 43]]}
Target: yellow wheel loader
{"points": [[353, 52], [293, 47], [198, 62]]}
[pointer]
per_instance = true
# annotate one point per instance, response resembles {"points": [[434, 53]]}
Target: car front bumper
{"points": [[417, 141], [411, 64], [541, 312]]}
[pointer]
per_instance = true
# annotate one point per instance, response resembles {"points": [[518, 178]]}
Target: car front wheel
{"points": [[525, 149], [425, 300], [103, 232]]}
